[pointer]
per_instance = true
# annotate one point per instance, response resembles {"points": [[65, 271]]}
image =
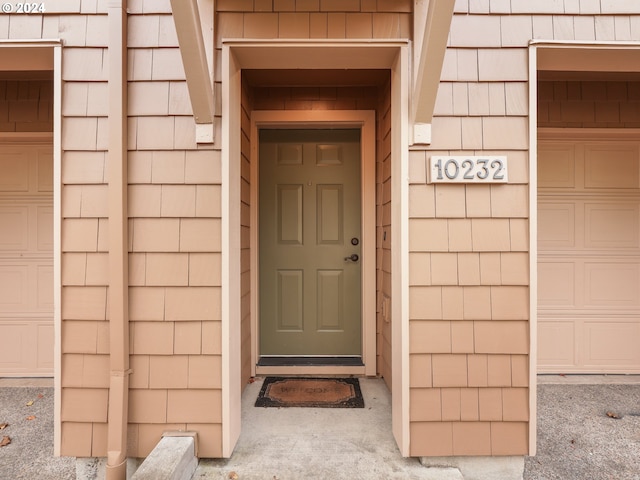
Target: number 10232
{"points": [[468, 169]]}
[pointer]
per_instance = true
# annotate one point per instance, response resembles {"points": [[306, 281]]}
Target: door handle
{"points": [[353, 257]]}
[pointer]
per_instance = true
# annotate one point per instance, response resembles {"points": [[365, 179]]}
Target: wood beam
{"points": [[432, 21], [186, 16]]}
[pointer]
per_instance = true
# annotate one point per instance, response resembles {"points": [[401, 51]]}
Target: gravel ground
{"points": [[30, 454], [578, 441], [576, 438]]}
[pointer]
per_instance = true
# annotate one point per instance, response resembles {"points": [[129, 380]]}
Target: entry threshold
{"points": [[310, 361]]}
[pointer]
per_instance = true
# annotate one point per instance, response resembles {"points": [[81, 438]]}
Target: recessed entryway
{"points": [[239, 258]]}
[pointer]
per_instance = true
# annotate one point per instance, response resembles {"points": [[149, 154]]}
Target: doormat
{"points": [[310, 392]]}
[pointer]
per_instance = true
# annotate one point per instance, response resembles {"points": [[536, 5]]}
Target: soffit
{"points": [[25, 58], [582, 76], [26, 75], [594, 60], [316, 56], [315, 78]]}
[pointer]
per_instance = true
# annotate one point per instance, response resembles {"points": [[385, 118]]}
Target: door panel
{"points": [[330, 300], [329, 219], [309, 212], [290, 302], [289, 214]]}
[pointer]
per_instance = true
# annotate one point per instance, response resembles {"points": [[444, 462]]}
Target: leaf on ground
{"points": [[29, 403], [31, 417], [40, 395], [233, 476], [611, 414], [3, 425], [5, 441]]}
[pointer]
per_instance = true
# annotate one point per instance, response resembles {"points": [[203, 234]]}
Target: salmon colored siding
{"points": [[174, 226], [175, 247], [589, 104], [245, 258], [26, 105], [383, 235], [85, 327], [469, 264], [469, 299]]}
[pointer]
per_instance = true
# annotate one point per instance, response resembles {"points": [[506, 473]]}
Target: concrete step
{"points": [[174, 458]]}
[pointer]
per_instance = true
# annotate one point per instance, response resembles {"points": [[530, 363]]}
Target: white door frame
{"points": [[313, 54], [365, 121]]}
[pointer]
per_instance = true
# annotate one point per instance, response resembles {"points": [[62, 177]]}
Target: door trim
{"points": [[365, 120]]}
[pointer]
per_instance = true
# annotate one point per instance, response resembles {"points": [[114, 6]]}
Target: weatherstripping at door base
{"points": [[270, 361]]}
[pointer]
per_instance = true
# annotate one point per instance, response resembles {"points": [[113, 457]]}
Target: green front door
{"points": [[310, 239]]}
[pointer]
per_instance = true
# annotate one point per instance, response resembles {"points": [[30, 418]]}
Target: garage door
{"points": [[589, 256], [26, 266]]}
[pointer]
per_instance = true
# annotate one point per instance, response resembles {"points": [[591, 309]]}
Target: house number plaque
{"points": [[468, 169]]}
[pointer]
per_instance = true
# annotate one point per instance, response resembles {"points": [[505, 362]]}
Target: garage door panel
{"points": [[44, 171], [14, 288], [27, 347], [45, 336], [610, 342], [14, 165], [556, 284], [44, 289], [612, 285], [14, 228], [13, 354], [44, 228], [26, 286], [556, 225], [556, 343], [612, 225], [556, 166], [611, 165]]}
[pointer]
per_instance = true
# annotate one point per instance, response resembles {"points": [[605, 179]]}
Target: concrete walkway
{"points": [[319, 443], [576, 440], [27, 406]]}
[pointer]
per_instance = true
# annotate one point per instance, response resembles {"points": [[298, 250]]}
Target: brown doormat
{"points": [[310, 392]]}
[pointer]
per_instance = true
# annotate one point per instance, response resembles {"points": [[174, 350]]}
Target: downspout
{"points": [[118, 244]]}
